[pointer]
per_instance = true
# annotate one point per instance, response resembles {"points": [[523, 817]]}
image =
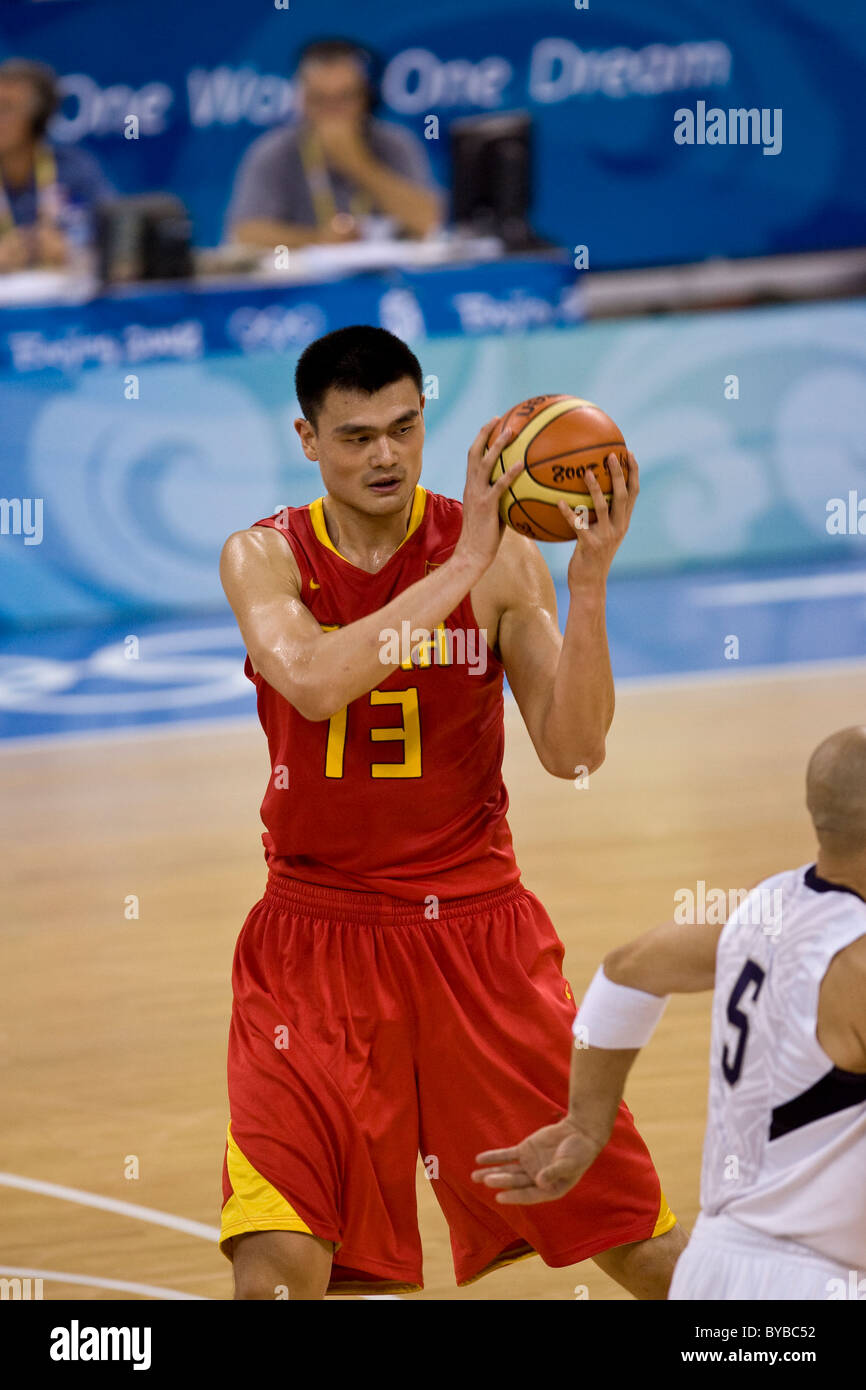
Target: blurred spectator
{"points": [[322, 178], [47, 193]]}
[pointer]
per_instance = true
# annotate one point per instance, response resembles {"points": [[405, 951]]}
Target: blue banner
{"points": [[516, 295], [748, 427], [664, 133]]}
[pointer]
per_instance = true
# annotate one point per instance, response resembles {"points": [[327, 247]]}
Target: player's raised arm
{"points": [[321, 672], [618, 1015], [563, 684]]}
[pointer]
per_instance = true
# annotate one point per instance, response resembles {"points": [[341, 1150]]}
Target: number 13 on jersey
{"points": [[408, 732]]}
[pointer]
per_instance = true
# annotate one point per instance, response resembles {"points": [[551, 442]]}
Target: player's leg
{"points": [[494, 1059], [281, 1264], [319, 1167], [645, 1267]]}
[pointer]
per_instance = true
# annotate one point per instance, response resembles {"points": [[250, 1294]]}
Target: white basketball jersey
{"points": [[785, 1149]]}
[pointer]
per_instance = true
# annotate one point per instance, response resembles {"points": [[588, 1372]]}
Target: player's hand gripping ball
{"points": [[558, 438]]}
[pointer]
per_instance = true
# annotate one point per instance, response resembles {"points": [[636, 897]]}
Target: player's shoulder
{"points": [[850, 934], [446, 506], [514, 549], [842, 1007], [855, 959], [262, 545], [442, 520], [786, 885], [813, 897], [519, 570], [516, 553], [775, 900]]}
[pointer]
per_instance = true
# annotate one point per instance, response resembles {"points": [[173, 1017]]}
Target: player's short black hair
{"points": [[360, 358]]}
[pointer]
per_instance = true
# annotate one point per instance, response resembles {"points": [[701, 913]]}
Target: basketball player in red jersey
{"points": [[398, 989]]}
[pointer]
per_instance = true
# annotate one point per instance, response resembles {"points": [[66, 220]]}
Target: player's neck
{"points": [[365, 541], [849, 871]]}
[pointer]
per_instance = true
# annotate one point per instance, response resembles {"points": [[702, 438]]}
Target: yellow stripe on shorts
{"points": [[666, 1219], [255, 1205]]}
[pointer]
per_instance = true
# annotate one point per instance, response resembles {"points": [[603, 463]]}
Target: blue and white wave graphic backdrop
{"points": [[138, 495]]}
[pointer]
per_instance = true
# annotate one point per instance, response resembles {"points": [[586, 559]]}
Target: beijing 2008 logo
{"points": [[276, 327]]}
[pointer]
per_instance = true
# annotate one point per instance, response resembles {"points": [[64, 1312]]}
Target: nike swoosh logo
{"points": [[314, 585]]}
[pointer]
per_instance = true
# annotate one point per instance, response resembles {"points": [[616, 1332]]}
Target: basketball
{"points": [[558, 438]]}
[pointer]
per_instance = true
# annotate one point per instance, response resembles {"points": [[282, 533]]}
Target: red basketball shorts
{"points": [[364, 1031]]}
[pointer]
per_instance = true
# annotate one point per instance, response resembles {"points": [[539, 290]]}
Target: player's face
{"points": [[368, 447]]}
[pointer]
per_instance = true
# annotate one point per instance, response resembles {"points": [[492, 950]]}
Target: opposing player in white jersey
{"points": [[783, 1186]]}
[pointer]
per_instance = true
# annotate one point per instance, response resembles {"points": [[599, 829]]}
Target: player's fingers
{"points": [[633, 477], [599, 503], [508, 1179], [488, 433], [497, 443], [482, 1174], [598, 500], [577, 517], [504, 483], [498, 1156], [479, 444], [618, 485]]}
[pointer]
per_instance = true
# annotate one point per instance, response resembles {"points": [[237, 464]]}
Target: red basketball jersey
{"points": [[400, 792]]}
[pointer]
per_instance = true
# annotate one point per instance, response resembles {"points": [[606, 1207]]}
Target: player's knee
{"points": [[274, 1265], [645, 1267], [274, 1286], [665, 1250]]}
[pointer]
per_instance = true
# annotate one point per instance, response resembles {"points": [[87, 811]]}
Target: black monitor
{"points": [[492, 177], [147, 236]]}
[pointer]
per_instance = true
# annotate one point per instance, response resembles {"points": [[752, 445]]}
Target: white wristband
{"points": [[616, 1016]]}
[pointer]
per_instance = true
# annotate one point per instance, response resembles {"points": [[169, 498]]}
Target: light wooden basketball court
{"points": [[113, 1028]]}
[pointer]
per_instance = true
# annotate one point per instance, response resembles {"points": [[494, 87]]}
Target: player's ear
{"points": [[307, 436]]}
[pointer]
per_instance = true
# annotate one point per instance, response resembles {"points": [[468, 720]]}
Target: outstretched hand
{"points": [[542, 1168]]}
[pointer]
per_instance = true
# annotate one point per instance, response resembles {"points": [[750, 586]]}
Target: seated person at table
{"points": [[47, 192], [317, 179]]}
